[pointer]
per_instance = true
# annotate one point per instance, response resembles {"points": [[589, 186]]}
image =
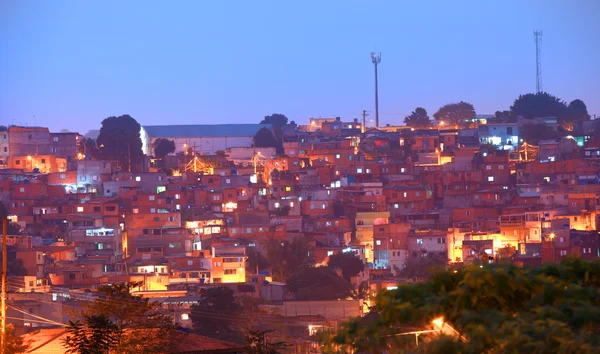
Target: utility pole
{"points": [[364, 123], [4, 282], [538, 60], [376, 59]]}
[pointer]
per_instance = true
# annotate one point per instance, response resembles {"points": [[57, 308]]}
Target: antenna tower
{"points": [[538, 60], [376, 59]]}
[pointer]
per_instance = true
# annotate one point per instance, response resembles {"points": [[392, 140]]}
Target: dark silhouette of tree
{"points": [[265, 138], [256, 259], [119, 137], [96, 336], [499, 308], [532, 133], [455, 113], [259, 342], [286, 257], [87, 147], [418, 119], [488, 148], [503, 116], [14, 344], [539, 105], [214, 314], [318, 283], [348, 262], [577, 110], [277, 121], [134, 317], [13, 228], [506, 253], [163, 147]]}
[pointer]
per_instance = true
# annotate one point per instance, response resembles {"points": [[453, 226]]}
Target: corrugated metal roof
{"points": [[172, 131]]}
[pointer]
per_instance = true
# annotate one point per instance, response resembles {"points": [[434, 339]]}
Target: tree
{"points": [[14, 344], [503, 116], [318, 283], [163, 147], [133, 317], [506, 253], [541, 104], [532, 133], [87, 146], [265, 138], [258, 342], [97, 336], [349, 263], [277, 121], [576, 111], [455, 113], [12, 228], [286, 257], [256, 261], [215, 313], [499, 308], [418, 119], [119, 138], [488, 148]]}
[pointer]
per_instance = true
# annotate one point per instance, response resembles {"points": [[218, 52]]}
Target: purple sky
{"points": [[72, 63]]}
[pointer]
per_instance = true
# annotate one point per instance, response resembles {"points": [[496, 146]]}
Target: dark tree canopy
{"points": [[277, 120], [133, 317], [318, 283], [119, 137], [455, 113], [286, 257], [418, 119], [88, 147], [577, 110], [96, 336], [539, 105], [348, 262], [213, 315], [532, 133], [163, 147], [499, 308], [265, 138]]}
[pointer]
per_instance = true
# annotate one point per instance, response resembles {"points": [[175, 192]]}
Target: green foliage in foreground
{"points": [[498, 309]]}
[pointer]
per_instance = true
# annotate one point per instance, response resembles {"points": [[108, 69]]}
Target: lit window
{"points": [[288, 189], [138, 178], [500, 167], [359, 170], [378, 242], [151, 197], [276, 204], [490, 178], [404, 194], [291, 204], [488, 167], [419, 241], [337, 156], [329, 253], [324, 205], [402, 170], [136, 210], [368, 170], [395, 206], [80, 209], [177, 196], [185, 317]]}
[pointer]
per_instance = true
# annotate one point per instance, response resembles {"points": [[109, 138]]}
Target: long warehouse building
{"points": [[204, 139]]}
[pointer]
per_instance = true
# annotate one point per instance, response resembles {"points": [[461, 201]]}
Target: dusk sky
{"points": [[74, 63]]}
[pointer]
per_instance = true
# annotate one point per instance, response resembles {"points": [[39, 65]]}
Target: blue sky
{"points": [[72, 63]]}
